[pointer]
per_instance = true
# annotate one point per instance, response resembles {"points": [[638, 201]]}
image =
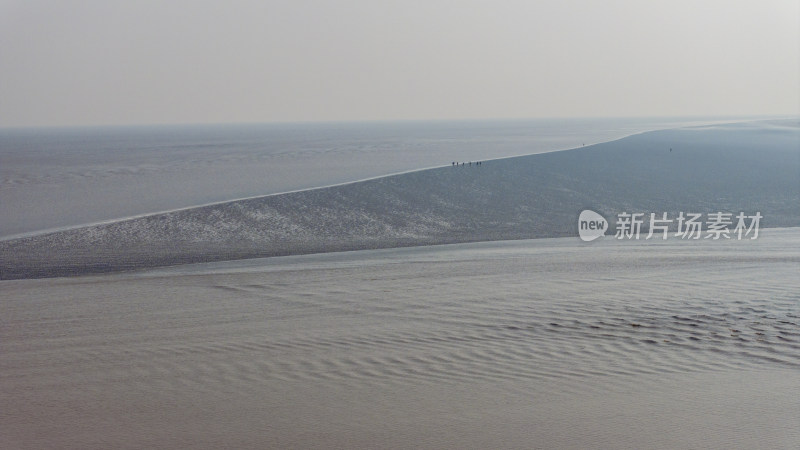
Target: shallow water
{"points": [[744, 167], [51, 178], [548, 342]]}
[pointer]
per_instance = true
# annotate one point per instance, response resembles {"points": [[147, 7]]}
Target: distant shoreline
{"points": [[713, 168]]}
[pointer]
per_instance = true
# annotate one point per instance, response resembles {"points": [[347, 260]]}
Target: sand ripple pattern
{"points": [[477, 312]]}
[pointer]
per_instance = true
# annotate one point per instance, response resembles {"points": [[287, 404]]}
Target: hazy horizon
{"points": [[716, 118], [149, 63]]}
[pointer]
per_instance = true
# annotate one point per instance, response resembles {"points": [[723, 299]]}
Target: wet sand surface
{"points": [[537, 343]]}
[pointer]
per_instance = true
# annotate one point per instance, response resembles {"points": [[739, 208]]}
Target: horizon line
{"points": [[393, 121]]}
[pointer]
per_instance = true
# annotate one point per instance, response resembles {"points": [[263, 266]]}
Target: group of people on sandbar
{"points": [[456, 164]]}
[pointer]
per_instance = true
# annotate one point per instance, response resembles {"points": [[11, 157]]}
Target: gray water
{"points": [[52, 178], [734, 168]]}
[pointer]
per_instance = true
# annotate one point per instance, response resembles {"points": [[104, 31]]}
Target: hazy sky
{"points": [[65, 62]]}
